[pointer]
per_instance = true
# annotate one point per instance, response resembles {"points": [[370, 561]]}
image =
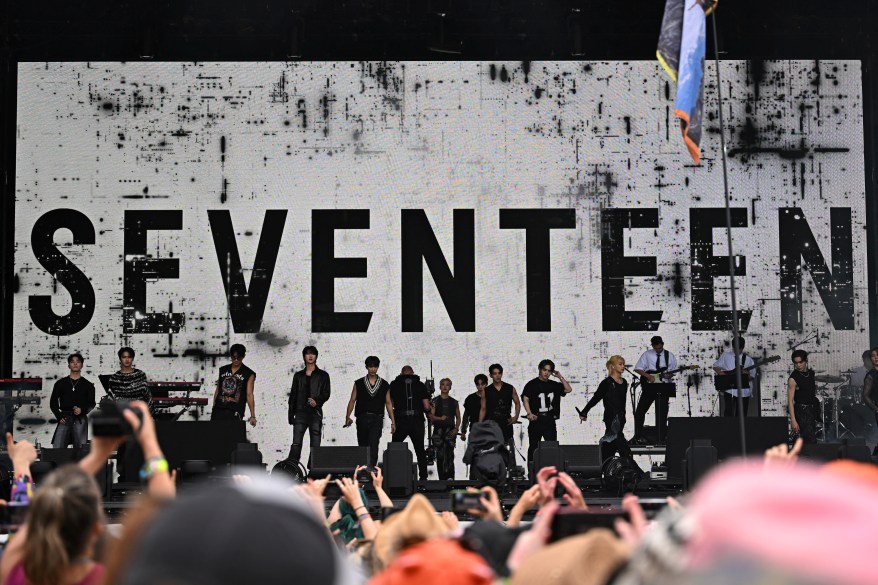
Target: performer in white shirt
{"points": [[656, 359], [725, 365]]}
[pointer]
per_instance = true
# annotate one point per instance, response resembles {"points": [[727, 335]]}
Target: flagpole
{"points": [[735, 328]]}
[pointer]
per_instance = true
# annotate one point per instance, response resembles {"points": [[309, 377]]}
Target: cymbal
{"points": [[829, 379]]}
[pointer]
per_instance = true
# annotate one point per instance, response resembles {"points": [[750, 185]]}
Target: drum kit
{"points": [[844, 414]]}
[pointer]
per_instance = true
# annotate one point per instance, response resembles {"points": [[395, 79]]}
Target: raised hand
{"points": [[573, 497]]}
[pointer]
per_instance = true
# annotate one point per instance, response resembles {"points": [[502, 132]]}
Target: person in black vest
{"points": [[802, 403], [445, 414], [613, 392], [73, 397], [234, 389], [542, 403], [499, 398], [871, 383], [369, 399], [411, 400], [474, 405], [655, 360], [309, 391]]}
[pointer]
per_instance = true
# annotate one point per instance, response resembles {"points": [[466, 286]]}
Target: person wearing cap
{"points": [[309, 391], [651, 366], [542, 403]]}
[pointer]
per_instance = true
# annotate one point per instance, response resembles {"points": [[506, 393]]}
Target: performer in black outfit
{"points": [[871, 383], [129, 384], [499, 398], [445, 414], [309, 391], [613, 391], [73, 397], [474, 405], [411, 400], [369, 399], [234, 389], [542, 403], [802, 403]]}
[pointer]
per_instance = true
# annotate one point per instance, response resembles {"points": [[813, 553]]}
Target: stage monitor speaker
{"points": [[398, 470], [856, 449], [337, 460], [246, 454], [821, 451], [724, 434], [582, 460], [212, 441], [701, 457], [547, 454], [40, 469], [59, 456]]}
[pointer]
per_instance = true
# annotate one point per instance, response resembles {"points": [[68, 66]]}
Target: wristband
{"points": [[22, 489], [153, 466], [358, 507], [361, 516]]}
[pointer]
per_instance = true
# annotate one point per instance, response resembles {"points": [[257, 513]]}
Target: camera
{"points": [[107, 419], [569, 522], [364, 476], [462, 500]]}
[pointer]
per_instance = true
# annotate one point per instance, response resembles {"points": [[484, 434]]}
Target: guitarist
{"points": [[650, 367], [726, 365]]}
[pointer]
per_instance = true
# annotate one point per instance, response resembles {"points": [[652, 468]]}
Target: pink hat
{"points": [[796, 518]]}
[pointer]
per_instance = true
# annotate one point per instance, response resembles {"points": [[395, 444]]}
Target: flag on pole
{"points": [[681, 49]]}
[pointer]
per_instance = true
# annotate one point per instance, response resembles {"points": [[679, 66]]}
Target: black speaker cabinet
{"points": [[701, 457], [582, 460], [724, 434], [821, 452], [337, 460], [398, 470], [547, 454]]}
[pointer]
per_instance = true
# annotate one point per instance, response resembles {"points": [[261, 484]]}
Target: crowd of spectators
{"points": [[777, 520]]}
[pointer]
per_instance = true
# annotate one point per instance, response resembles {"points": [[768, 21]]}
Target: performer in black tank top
{"points": [[802, 403], [445, 414]]}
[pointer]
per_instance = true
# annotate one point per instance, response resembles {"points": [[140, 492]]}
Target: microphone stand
{"points": [[804, 341], [634, 385]]}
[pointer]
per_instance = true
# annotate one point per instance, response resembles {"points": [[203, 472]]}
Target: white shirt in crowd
{"points": [[727, 362]]}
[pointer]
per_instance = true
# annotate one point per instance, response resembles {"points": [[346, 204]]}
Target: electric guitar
{"points": [[757, 363], [662, 373]]}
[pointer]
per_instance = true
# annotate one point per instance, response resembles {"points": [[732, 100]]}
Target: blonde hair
{"points": [[59, 524], [613, 360], [445, 380]]}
